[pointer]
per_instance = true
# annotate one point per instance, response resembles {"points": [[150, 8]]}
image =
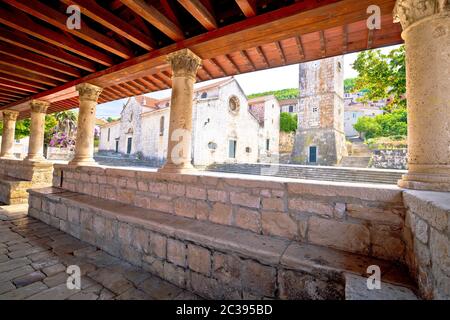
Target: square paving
{"points": [[34, 258]]}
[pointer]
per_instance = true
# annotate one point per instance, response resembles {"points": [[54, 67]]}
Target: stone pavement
{"points": [[34, 258]]}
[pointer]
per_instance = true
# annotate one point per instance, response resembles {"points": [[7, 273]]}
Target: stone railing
{"points": [[361, 219], [428, 218], [36, 172]]}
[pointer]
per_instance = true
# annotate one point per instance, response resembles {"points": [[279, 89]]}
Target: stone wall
{"points": [[353, 218], [427, 235], [390, 159]]}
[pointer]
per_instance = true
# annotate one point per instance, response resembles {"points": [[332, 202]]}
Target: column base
{"points": [[182, 169], [35, 159], [425, 181], [82, 162], [8, 157]]}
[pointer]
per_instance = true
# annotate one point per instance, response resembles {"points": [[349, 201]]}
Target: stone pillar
{"points": [[184, 65], [9, 128], [84, 145], [426, 31], [37, 128]]}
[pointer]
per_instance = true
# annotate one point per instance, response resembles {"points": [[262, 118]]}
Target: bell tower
{"points": [[320, 138]]}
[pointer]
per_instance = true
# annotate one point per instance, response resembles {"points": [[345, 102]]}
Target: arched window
{"points": [[161, 126]]}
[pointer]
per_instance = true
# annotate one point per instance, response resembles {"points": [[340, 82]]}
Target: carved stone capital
{"points": [[88, 92], [39, 106], [10, 115], [408, 12], [184, 63]]}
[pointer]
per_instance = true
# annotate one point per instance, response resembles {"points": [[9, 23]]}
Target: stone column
{"points": [[84, 145], [37, 128], [9, 128], [426, 31], [184, 65]]}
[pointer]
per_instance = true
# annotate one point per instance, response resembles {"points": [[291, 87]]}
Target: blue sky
{"points": [[253, 82]]}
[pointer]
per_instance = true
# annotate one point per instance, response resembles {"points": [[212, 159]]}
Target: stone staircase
{"points": [[336, 174], [359, 157], [355, 162]]}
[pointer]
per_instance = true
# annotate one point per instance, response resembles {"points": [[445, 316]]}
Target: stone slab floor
{"points": [[34, 258]]}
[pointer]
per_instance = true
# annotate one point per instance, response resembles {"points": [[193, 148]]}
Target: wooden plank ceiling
{"points": [[122, 44]]}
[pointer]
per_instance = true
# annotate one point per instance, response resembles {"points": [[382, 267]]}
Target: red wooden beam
{"points": [[248, 7], [22, 23], [110, 20], [59, 20], [200, 12], [156, 18], [21, 40]]}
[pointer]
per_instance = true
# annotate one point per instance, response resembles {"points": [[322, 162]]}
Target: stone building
{"points": [[226, 127], [320, 135]]}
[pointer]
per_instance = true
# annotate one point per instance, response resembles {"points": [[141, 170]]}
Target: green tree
{"points": [[384, 125], [382, 76], [288, 122], [349, 85]]}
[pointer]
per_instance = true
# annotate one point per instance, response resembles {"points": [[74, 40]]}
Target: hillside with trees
{"points": [[291, 93]]}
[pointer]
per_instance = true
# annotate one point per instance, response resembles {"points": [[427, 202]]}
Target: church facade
{"points": [[227, 128]]}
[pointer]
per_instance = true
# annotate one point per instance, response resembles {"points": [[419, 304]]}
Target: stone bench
{"points": [[215, 261], [13, 191]]}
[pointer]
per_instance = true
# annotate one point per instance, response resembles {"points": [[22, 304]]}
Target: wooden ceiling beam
{"points": [[262, 55], [323, 48], [46, 13], [24, 24], [149, 84], [280, 52], [31, 67], [246, 56], [158, 82], [235, 66], [200, 13], [146, 85], [11, 94], [39, 60], [218, 66], [170, 13], [344, 39], [14, 85], [111, 21], [163, 78], [370, 36], [156, 18], [22, 41], [21, 81], [14, 71], [248, 7], [12, 90], [301, 49]]}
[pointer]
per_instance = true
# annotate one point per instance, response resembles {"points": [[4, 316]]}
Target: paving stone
{"points": [[6, 286], [60, 292], [45, 263], [186, 295], [54, 269], [40, 256], [19, 246], [3, 258], [24, 292], [28, 279], [13, 264], [13, 274], [113, 281], [56, 279], [25, 252], [159, 289], [134, 294]]}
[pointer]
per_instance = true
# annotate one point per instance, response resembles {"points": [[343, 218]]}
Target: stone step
{"points": [[212, 260], [313, 173]]}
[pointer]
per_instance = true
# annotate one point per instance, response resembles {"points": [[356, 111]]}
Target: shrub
{"points": [[288, 122]]}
